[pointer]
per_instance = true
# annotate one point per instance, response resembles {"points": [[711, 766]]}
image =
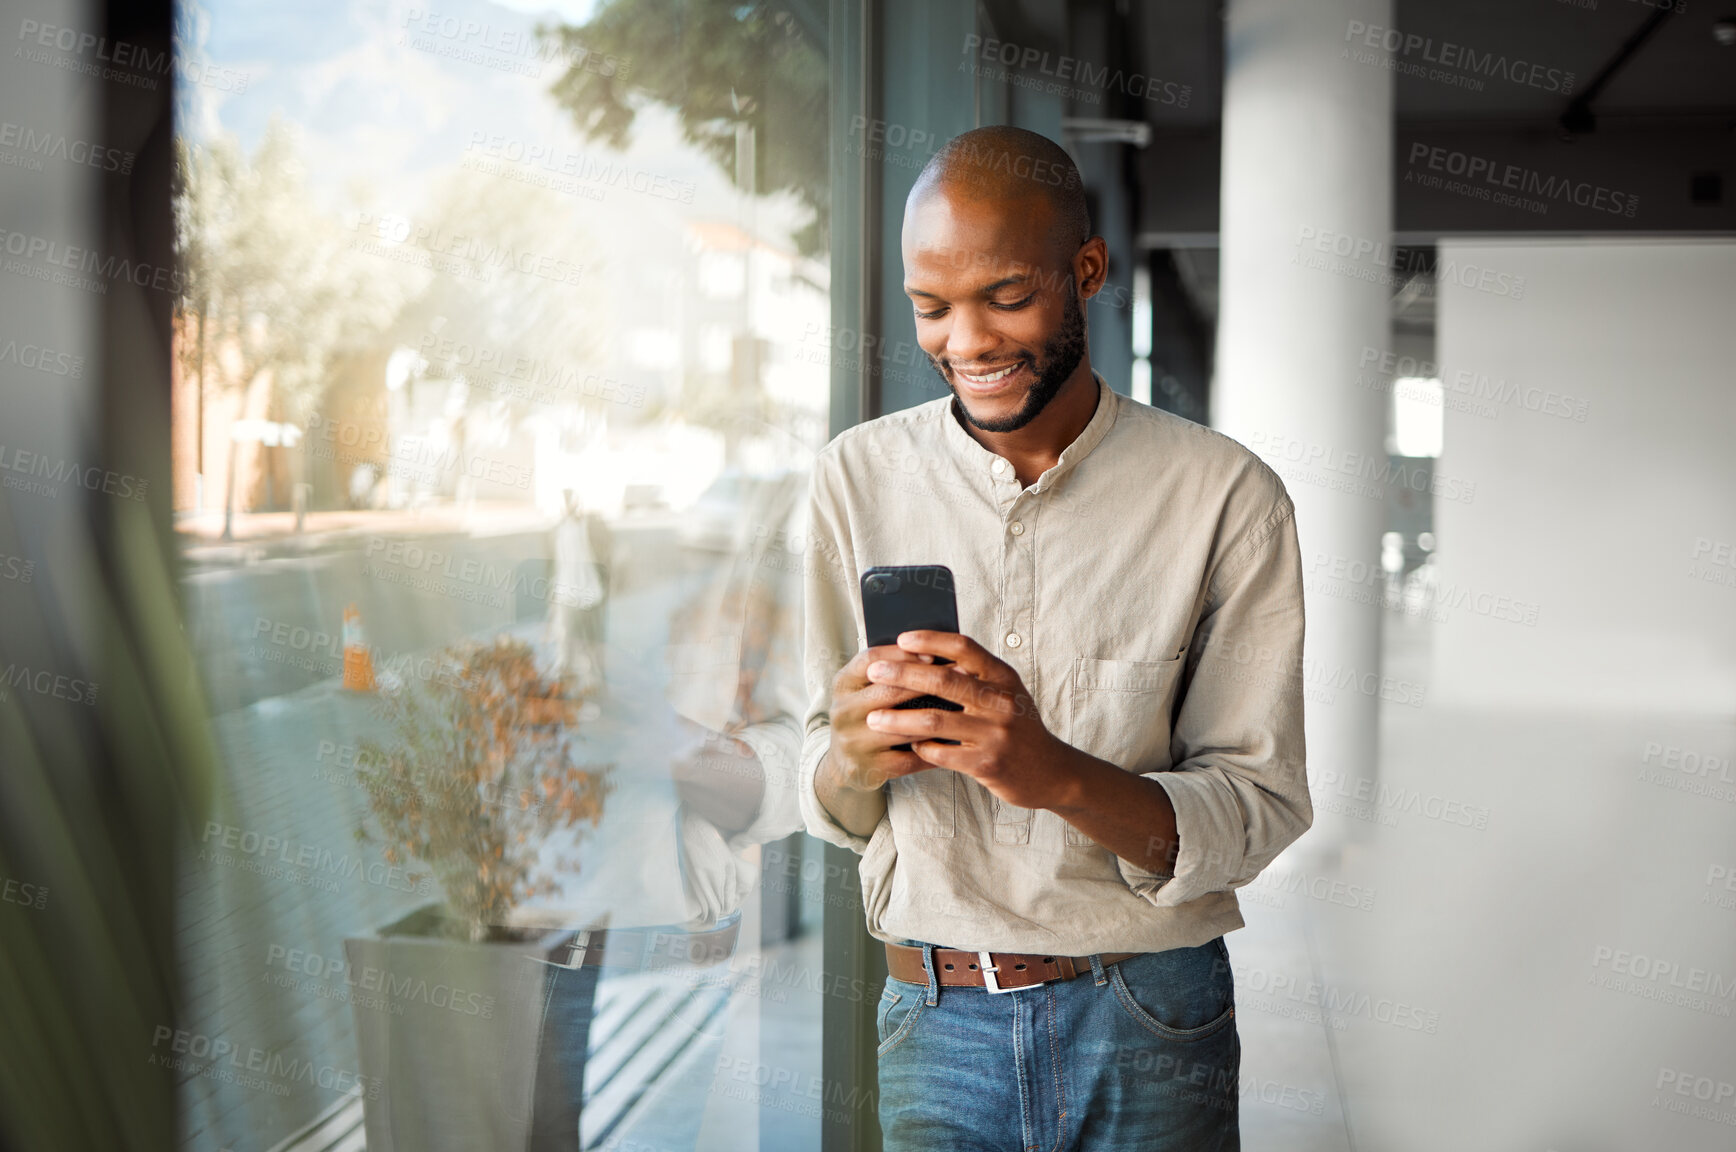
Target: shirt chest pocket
{"points": [[1120, 712]]}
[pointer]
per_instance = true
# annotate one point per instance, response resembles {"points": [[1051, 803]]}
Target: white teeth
{"points": [[991, 377]]}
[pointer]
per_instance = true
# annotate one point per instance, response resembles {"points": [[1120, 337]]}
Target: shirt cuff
{"points": [[1212, 833], [775, 746], [815, 818], [715, 880]]}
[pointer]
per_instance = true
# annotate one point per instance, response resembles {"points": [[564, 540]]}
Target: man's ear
{"points": [[1091, 266]]}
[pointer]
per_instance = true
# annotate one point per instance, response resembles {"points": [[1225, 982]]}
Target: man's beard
{"points": [[1061, 355]]}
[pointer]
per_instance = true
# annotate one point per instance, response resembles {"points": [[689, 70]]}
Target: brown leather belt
{"points": [[996, 971]]}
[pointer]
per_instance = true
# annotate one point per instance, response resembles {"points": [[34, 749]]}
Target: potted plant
{"points": [[476, 773]]}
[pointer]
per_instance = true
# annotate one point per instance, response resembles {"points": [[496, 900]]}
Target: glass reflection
{"points": [[492, 430]]}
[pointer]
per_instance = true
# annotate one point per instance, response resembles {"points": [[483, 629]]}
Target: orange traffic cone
{"points": [[358, 660]]}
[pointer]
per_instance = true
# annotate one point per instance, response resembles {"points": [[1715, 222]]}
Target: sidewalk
{"points": [[272, 535]]}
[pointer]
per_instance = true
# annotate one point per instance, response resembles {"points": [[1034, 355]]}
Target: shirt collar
{"points": [[978, 461]]}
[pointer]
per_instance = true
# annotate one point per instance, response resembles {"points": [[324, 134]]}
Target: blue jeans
{"points": [[1140, 1055]]}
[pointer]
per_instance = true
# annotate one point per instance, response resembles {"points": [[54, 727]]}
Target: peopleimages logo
{"points": [[132, 64], [1090, 78], [42, 682], [42, 359], [1365, 258], [277, 855], [396, 236], [1720, 876], [473, 41], [81, 263], [27, 895], [1352, 572], [1709, 1095], [1358, 473], [412, 989], [1702, 990], [1508, 184], [415, 458], [1266, 990], [1396, 800], [266, 1069], [32, 146], [582, 168], [1713, 561], [1453, 58], [1466, 389], [504, 371]]}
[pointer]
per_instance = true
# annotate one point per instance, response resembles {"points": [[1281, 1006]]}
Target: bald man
{"points": [[1053, 889]]}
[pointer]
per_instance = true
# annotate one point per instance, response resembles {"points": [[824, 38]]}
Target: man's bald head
{"points": [[1003, 164]]}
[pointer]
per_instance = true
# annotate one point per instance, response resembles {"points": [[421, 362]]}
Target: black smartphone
{"points": [[905, 598]]}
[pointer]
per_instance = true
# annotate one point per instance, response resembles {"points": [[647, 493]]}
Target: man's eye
{"points": [[1015, 304], [935, 315]]}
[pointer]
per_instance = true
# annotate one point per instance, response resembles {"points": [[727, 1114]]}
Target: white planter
{"points": [[448, 1035]]}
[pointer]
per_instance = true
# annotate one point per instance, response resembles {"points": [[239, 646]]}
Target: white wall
{"points": [[1593, 521]]}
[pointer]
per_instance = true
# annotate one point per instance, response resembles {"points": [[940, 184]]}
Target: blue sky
{"points": [[350, 76], [385, 110]]}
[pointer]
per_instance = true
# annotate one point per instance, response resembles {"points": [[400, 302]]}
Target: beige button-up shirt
{"points": [[1148, 590]]}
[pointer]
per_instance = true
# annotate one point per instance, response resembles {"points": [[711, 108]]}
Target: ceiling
{"points": [[1680, 79], [1680, 70]]}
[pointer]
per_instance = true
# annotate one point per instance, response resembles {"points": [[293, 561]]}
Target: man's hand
{"points": [[718, 776], [862, 757], [1002, 741], [1004, 746]]}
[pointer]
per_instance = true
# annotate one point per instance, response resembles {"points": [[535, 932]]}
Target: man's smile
{"points": [[986, 381]]}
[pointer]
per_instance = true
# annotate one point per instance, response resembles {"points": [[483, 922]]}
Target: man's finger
{"points": [[855, 671], [925, 724], [944, 681], [952, 757], [879, 695], [963, 651]]}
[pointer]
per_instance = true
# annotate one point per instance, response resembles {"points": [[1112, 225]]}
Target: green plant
{"points": [[479, 773], [718, 64]]}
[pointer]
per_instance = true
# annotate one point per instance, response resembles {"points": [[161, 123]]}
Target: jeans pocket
{"points": [[1182, 994], [897, 1015]]}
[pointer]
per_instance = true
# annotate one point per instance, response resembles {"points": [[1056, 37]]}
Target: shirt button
{"points": [[999, 466], [1013, 640], [1016, 528]]}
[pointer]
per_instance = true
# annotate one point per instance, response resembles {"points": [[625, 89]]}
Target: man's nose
{"points": [[971, 337]]}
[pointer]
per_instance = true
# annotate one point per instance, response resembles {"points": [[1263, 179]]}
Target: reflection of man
{"points": [[735, 683], [734, 696], [576, 599], [1130, 746]]}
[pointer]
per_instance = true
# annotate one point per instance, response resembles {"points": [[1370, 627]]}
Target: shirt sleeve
{"points": [[752, 616], [829, 641], [775, 744], [1239, 782], [778, 692]]}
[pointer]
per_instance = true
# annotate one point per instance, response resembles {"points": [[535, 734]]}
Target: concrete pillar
{"points": [[1306, 227]]}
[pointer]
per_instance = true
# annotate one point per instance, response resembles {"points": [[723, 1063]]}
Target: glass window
{"points": [[489, 413]]}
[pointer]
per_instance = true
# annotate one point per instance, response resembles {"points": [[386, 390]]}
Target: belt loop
{"points": [[933, 980], [1097, 969]]}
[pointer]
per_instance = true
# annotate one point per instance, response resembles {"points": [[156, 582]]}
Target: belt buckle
{"points": [[989, 981], [577, 950]]}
